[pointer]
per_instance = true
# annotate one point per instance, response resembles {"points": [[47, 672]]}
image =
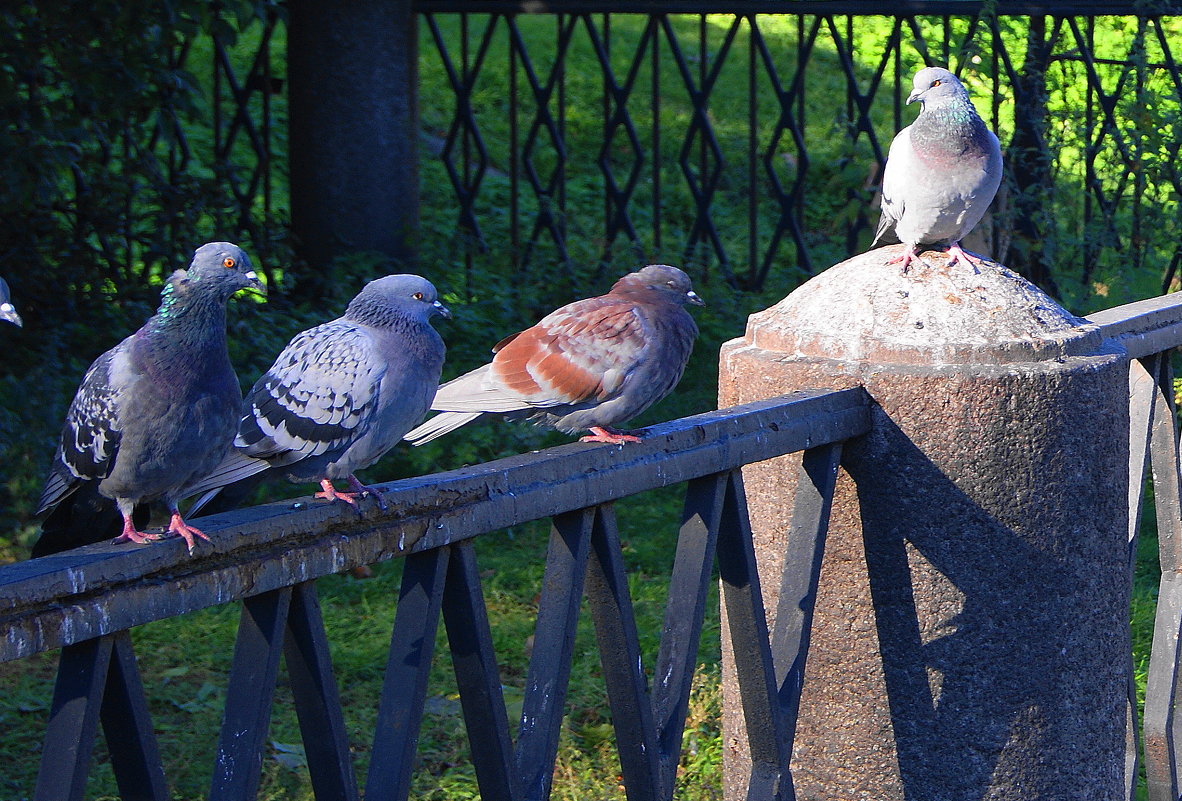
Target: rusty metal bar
{"points": [[69, 597]]}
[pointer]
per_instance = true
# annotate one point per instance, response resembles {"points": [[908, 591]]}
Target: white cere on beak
{"points": [[251, 275], [7, 307]]}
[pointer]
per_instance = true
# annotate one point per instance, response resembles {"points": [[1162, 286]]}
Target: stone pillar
{"points": [[353, 74], [971, 632]]}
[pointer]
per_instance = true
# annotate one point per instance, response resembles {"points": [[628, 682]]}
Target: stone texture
{"points": [[971, 636]]}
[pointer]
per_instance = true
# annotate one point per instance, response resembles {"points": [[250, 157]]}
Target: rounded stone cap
{"points": [[866, 310]]}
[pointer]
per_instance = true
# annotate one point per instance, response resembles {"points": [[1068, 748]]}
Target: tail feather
{"points": [[235, 467], [439, 425]]}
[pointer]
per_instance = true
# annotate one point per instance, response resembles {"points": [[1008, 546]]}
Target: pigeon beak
{"points": [[253, 282], [8, 312], [694, 298], [916, 95], [441, 309]]}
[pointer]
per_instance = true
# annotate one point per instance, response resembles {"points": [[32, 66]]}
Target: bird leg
{"points": [[130, 534], [961, 255], [331, 493], [907, 256], [362, 489], [186, 532], [604, 434]]}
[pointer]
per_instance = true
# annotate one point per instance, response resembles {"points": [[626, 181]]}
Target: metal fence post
{"points": [[352, 72], [970, 638]]}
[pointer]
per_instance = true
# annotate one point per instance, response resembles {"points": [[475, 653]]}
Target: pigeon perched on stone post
{"points": [[941, 173], [587, 366], [7, 310], [341, 394], [158, 410]]}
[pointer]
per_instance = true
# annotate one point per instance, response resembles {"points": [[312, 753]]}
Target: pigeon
{"points": [[341, 394], [158, 410], [941, 173], [7, 310], [587, 366]]}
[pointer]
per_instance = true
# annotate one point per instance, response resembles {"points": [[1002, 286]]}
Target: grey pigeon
{"points": [[942, 171], [158, 410], [587, 366], [7, 310], [341, 394]]}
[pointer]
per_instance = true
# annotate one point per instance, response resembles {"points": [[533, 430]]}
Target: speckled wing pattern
{"points": [[316, 398], [90, 436]]}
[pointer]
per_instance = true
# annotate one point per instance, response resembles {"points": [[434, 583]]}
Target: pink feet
{"points": [[958, 254], [601, 434], [186, 532], [131, 535], [175, 526], [907, 256], [330, 493]]}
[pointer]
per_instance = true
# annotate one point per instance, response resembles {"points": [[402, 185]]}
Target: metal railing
{"points": [[84, 602], [1150, 330]]}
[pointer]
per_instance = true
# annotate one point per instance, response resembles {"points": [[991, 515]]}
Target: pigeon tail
{"points": [[234, 467], [440, 424]]}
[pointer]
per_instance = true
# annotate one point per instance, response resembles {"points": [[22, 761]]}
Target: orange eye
{"points": [[418, 296], [228, 262], [935, 83]]}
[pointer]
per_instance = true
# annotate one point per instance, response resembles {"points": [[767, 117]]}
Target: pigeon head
{"points": [[7, 310], [392, 297], [220, 267], [936, 85], [669, 281]]}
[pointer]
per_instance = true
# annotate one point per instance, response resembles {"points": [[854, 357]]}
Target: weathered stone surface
{"points": [[971, 637]]}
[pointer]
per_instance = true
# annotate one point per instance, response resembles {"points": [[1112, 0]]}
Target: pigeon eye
{"points": [[228, 262], [671, 285], [935, 83], [417, 296]]}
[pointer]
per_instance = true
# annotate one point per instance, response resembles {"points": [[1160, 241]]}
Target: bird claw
{"points": [[601, 434], [186, 532], [331, 493], [966, 256], [138, 537]]}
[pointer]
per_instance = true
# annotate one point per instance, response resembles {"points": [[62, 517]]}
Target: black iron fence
{"points": [[84, 602], [745, 137], [750, 135]]}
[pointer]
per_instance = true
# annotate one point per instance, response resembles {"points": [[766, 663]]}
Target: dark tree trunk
{"points": [[1028, 161], [352, 68]]}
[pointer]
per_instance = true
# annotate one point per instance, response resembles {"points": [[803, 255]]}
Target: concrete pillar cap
{"points": [[865, 310]]}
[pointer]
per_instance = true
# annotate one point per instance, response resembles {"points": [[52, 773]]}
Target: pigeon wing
{"points": [[580, 352], [895, 176], [91, 434], [317, 397]]}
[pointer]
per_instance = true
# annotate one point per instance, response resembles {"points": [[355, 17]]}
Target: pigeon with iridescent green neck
{"points": [[942, 171], [158, 410]]}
